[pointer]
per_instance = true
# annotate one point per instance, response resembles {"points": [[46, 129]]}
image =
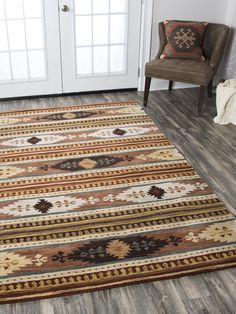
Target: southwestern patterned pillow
{"points": [[184, 40]]}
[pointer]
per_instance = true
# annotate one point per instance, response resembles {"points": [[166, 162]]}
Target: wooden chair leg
{"points": [[170, 85], [146, 91], [202, 94], [209, 89]]}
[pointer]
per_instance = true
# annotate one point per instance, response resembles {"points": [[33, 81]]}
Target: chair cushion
{"points": [[184, 40], [188, 71]]}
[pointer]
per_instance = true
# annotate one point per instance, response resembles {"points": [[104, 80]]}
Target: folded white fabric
{"points": [[226, 102]]}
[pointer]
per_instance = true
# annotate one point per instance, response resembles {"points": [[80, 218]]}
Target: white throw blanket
{"points": [[226, 102]]}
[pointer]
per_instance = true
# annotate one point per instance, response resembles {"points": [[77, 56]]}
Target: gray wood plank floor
{"points": [[212, 151]]}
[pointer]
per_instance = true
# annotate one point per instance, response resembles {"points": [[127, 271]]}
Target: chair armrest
{"points": [[215, 44]]}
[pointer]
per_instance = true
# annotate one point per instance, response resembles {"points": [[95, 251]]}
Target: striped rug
{"points": [[95, 197]]}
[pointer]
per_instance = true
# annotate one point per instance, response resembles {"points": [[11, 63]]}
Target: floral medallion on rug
{"points": [[95, 197]]}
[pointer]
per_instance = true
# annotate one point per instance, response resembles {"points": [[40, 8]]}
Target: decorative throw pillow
{"points": [[184, 40]]}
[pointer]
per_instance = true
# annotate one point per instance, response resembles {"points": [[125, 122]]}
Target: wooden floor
{"points": [[212, 150]]}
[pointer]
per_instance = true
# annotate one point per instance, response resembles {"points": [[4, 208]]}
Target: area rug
{"points": [[95, 197]]}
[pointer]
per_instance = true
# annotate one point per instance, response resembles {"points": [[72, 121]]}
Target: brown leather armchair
{"points": [[187, 70]]}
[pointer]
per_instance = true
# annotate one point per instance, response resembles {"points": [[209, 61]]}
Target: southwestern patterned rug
{"points": [[94, 197]]}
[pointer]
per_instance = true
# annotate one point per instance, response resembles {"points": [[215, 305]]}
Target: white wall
{"points": [[198, 10], [228, 69]]}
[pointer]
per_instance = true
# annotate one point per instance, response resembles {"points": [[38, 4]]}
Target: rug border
{"points": [[123, 283], [72, 106]]}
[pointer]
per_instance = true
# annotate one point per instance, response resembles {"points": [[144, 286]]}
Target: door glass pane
{"points": [[83, 7], [84, 57], [1, 10], [37, 64], [117, 59], [117, 30], [118, 6], [32, 8], [19, 65], [34, 33], [100, 29], [16, 33], [100, 57], [101, 6], [14, 9], [3, 37], [5, 71], [22, 39], [83, 30]]}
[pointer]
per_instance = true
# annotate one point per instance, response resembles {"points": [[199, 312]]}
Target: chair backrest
{"points": [[214, 42]]}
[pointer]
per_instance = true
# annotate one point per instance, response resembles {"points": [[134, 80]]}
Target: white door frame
{"points": [[55, 64], [73, 83], [145, 40]]}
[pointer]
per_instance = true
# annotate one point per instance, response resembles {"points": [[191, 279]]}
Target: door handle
{"points": [[65, 8]]}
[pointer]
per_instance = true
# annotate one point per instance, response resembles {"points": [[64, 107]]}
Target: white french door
{"points": [[29, 48], [100, 44], [62, 46]]}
